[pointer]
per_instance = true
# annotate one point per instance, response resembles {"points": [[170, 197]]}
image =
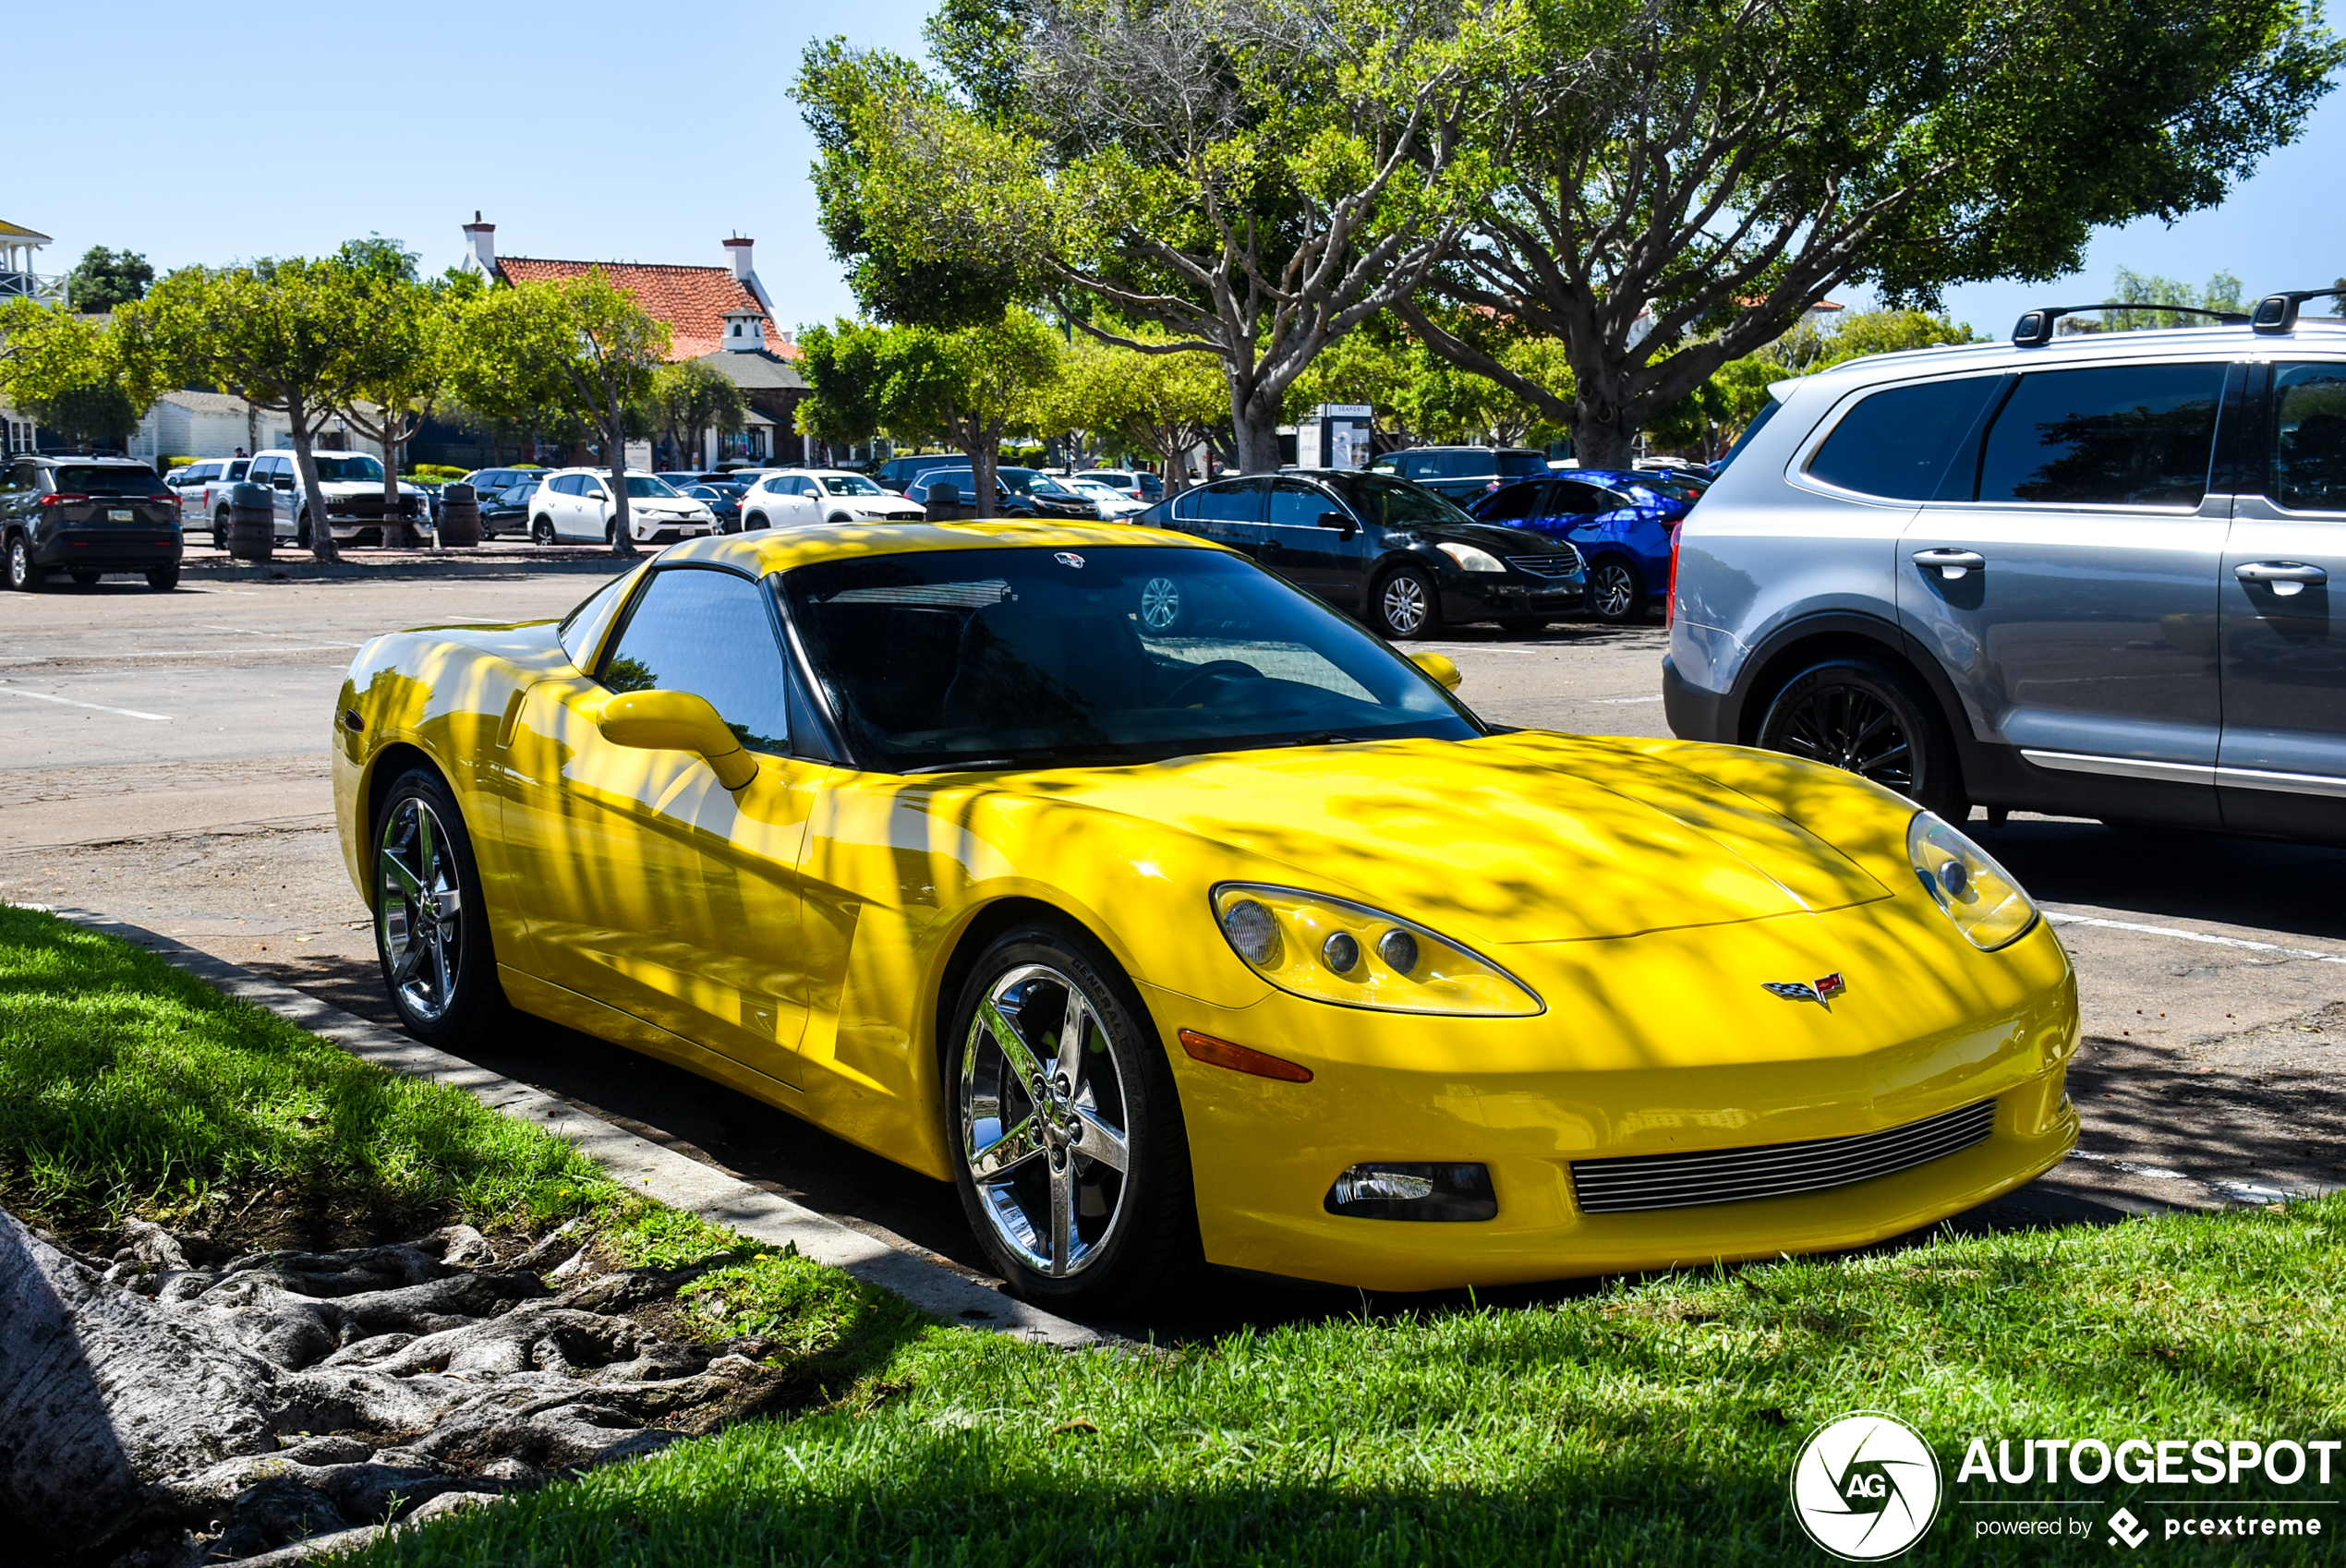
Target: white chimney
{"points": [[745, 331], [481, 240], [737, 248]]}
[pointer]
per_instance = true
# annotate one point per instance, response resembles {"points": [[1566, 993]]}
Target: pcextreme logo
{"points": [[1865, 1487]]}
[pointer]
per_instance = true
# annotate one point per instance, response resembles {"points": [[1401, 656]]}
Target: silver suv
{"points": [[2084, 574]]}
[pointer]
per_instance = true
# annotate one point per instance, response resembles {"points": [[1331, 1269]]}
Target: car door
{"points": [[2071, 592], [2282, 596], [280, 480], [1228, 511], [646, 885], [1322, 560]]}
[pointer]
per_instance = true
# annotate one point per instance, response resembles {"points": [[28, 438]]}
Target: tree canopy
{"points": [[103, 279], [1683, 177]]}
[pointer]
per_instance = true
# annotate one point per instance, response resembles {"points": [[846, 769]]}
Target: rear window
{"points": [[126, 480], [1897, 443], [2123, 435], [1514, 463]]}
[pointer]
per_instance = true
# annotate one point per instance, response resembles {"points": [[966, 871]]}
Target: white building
{"points": [[203, 424]]}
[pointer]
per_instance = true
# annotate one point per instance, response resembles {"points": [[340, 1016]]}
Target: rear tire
{"points": [[1868, 716], [431, 928], [23, 575], [1064, 1226], [87, 579], [219, 529], [1616, 593], [542, 531], [163, 579]]}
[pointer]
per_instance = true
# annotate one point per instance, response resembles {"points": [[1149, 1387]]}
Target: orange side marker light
{"points": [[1242, 1058]]}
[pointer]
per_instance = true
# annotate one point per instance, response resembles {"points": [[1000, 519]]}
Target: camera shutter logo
{"points": [[1865, 1487]]}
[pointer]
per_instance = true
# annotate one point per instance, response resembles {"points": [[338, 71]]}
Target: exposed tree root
{"points": [[159, 1413]]}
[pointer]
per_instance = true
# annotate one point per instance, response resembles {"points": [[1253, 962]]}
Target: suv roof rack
{"points": [[2278, 312], [2036, 328]]}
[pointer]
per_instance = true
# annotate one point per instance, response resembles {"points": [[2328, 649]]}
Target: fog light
{"points": [[1403, 1191]]}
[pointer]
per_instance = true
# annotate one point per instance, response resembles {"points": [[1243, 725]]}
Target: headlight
{"points": [[1333, 950], [1979, 895], [1470, 559]]}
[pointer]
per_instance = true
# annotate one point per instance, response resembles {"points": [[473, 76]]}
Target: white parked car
{"points": [[1137, 483], [791, 497], [574, 506], [1113, 504]]}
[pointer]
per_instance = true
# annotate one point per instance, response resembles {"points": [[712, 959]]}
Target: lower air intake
{"points": [[1636, 1182]]}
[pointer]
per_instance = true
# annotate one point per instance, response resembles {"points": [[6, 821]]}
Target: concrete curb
{"points": [[636, 1162], [301, 569]]}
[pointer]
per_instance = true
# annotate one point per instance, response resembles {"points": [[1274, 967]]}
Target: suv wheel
{"points": [[1406, 605], [756, 522], [23, 575], [542, 531], [1866, 716], [1617, 594], [301, 530], [219, 529]]}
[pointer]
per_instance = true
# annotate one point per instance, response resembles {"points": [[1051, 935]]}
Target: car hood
{"points": [[1510, 839], [1499, 538]]}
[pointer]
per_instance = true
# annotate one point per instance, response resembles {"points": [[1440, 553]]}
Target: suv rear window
{"points": [[2309, 437], [1896, 444], [126, 480], [1514, 464], [2125, 435]]}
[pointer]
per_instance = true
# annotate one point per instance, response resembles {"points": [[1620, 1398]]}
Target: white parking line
{"points": [[2058, 918], [70, 702], [1624, 702]]}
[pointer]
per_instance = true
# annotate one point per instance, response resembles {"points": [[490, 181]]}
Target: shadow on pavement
{"points": [[2175, 873]]}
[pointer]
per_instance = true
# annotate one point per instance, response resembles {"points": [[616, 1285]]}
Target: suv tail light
{"points": [[1670, 604], [61, 500]]}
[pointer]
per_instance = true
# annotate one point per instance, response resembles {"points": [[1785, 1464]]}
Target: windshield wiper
{"points": [[1323, 738], [1040, 756]]}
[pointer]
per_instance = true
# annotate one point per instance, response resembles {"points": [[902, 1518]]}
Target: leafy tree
{"points": [[2222, 293], [581, 349], [1164, 405], [966, 385], [690, 397], [842, 367], [68, 371], [1814, 346], [408, 368], [1684, 177], [1253, 179], [103, 279], [297, 335]]}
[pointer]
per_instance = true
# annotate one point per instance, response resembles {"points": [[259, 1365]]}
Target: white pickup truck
{"points": [[353, 502]]}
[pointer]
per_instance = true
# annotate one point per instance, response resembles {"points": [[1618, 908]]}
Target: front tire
{"points": [[1066, 1128], [431, 928], [219, 529], [1406, 605], [1866, 716], [301, 530]]}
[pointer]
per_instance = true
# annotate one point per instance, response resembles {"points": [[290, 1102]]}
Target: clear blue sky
{"points": [[424, 112]]}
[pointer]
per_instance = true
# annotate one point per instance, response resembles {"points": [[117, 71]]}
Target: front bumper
{"points": [[1664, 1053], [1512, 597]]}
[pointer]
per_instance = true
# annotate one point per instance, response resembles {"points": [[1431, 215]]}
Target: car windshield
{"points": [[1126, 652], [349, 468], [1044, 484], [95, 479], [646, 486], [849, 485], [1396, 503]]}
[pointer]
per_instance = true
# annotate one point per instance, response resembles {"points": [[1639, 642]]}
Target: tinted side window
{"points": [[708, 633], [2132, 435], [2308, 451], [1298, 505], [1236, 501], [1576, 498], [1511, 503], [1897, 443], [1466, 465], [1522, 462]]}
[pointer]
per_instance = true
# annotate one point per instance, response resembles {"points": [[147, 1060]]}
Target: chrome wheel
{"points": [[1614, 591], [22, 573], [1160, 604], [1042, 1098], [542, 531], [419, 909], [1405, 605]]}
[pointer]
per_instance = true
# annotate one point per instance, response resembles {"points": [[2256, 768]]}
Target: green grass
{"points": [[126, 1086], [1648, 1423]]}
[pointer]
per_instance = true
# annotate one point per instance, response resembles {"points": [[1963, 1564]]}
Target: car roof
{"points": [[778, 549], [52, 458], [2076, 350]]}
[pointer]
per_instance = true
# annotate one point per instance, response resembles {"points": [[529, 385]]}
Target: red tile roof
{"points": [[692, 300]]}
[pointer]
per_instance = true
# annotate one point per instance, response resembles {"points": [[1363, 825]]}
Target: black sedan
{"points": [[507, 511], [725, 501], [1396, 554]]}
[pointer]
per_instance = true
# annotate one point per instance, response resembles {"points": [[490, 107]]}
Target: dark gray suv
{"points": [[87, 517], [2088, 575]]}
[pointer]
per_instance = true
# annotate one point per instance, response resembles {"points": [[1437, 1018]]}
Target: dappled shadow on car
{"points": [[2175, 873]]}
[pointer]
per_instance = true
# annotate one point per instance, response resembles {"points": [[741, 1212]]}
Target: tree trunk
{"points": [[1602, 438], [311, 499], [622, 537]]}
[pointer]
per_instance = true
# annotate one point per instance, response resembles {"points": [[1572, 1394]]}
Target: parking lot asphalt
{"points": [[163, 762]]}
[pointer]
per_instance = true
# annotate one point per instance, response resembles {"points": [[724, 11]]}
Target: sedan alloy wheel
{"points": [[419, 910]]}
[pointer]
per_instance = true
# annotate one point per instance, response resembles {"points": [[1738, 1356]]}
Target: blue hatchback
{"points": [[1621, 520]]}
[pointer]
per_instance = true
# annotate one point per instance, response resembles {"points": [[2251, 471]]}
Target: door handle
{"points": [[2286, 577], [1951, 564]]}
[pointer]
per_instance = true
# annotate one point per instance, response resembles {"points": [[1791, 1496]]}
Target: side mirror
{"points": [[1336, 520], [1440, 667], [677, 721]]}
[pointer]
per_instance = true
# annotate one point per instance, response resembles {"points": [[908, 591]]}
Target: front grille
{"points": [[1773, 1170], [1562, 564]]}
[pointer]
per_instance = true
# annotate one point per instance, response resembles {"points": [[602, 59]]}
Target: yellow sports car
{"points": [[1176, 917]]}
